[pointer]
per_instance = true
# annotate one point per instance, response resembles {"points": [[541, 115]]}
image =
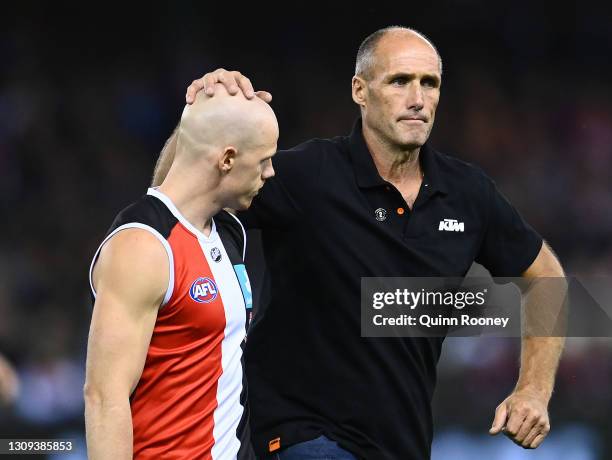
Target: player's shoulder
{"points": [[134, 265], [132, 251], [132, 242], [148, 211]]}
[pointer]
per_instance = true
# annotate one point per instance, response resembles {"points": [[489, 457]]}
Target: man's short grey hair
{"points": [[365, 54]]}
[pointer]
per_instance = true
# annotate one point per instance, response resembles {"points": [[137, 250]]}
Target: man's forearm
{"points": [[544, 323], [543, 333], [108, 427], [539, 360], [164, 162]]}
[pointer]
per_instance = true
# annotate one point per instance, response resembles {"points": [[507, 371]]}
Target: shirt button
{"points": [[400, 211]]}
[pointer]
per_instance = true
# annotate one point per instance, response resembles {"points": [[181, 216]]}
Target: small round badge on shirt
{"points": [[215, 253], [203, 290], [381, 214]]}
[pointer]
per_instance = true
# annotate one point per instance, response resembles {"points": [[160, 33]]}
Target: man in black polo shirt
{"points": [[368, 205]]}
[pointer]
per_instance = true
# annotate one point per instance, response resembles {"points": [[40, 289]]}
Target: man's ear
{"points": [[359, 90], [226, 161]]}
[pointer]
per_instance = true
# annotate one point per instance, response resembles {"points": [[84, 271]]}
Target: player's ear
{"points": [[359, 90], [226, 162]]}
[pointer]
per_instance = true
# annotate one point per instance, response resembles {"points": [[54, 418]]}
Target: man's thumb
{"points": [[500, 418]]}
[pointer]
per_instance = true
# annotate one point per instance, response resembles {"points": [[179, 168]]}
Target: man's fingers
{"points": [[529, 424], [523, 419], [515, 420], [535, 431], [264, 96], [192, 90], [210, 79], [229, 81], [206, 83], [245, 85], [500, 419], [233, 81], [537, 441], [539, 428]]}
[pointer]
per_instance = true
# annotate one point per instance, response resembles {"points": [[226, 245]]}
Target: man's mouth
{"points": [[414, 119]]}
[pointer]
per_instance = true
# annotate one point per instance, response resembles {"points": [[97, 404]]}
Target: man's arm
{"points": [[523, 416], [131, 278]]}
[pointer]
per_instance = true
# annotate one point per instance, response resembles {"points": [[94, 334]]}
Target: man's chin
{"points": [[245, 204], [410, 140], [411, 144]]}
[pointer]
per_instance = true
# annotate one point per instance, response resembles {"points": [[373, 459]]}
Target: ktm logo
{"points": [[451, 225], [203, 290]]}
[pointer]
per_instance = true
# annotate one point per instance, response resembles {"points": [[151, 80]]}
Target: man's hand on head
{"points": [[523, 417], [233, 81]]}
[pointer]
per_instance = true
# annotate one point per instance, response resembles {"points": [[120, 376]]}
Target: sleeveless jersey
{"points": [[191, 399]]}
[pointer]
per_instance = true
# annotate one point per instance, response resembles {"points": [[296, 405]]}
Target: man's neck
{"points": [[393, 164], [198, 207]]}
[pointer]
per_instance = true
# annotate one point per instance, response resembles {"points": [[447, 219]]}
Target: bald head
{"points": [[372, 49], [211, 124]]}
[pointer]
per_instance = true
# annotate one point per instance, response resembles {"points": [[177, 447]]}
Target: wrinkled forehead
{"points": [[409, 54]]}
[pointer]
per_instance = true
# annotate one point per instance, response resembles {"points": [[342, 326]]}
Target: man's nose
{"points": [[268, 173], [415, 99]]}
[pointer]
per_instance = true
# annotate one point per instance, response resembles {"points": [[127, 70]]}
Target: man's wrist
{"points": [[541, 392]]}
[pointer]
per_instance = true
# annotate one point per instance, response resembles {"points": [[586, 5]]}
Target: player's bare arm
{"points": [[523, 416], [130, 279]]}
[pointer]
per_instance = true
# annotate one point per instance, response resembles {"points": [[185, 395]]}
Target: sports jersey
{"points": [[191, 399]]}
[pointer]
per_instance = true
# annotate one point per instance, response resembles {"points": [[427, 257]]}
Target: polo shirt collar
{"points": [[365, 170]]}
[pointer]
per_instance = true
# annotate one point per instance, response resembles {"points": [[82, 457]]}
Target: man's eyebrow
{"points": [[400, 74], [410, 75]]}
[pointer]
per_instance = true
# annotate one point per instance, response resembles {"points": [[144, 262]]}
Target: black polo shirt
{"points": [[328, 219]]}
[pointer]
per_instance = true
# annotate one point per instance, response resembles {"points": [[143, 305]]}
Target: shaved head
{"points": [[224, 150], [212, 124]]}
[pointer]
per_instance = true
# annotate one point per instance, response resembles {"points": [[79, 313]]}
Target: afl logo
{"points": [[381, 214], [203, 290], [215, 253]]}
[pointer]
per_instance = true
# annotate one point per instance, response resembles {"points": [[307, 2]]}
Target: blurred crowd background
{"points": [[88, 97]]}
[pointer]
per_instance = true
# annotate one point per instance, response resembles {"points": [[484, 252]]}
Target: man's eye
{"points": [[400, 81], [429, 82]]}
